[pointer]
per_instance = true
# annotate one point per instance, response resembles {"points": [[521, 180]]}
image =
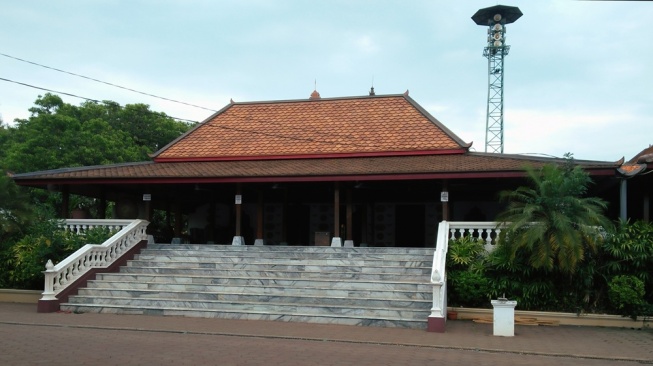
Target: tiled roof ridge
{"points": [[321, 99]]}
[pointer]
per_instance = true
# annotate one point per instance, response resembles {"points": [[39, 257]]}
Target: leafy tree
{"points": [[59, 135], [15, 208], [551, 219]]}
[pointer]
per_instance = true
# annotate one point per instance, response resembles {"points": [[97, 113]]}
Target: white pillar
{"points": [[238, 240]]}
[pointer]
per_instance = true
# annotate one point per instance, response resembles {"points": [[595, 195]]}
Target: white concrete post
{"points": [[336, 242], [48, 291], [504, 317]]}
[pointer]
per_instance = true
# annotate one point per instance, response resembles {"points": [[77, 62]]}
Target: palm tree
{"points": [[551, 219]]}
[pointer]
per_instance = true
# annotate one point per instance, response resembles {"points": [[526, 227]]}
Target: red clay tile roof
{"points": [[645, 156], [631, 169], [468, 165], [328, 127]]}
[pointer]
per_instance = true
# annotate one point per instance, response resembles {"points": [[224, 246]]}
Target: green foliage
{"points": [[627, 295], [465, 251], [629, 250], [466, 283], [551, 220], [63, 135], [15, 209], [468, 288], [514, 276], [46, 241]]}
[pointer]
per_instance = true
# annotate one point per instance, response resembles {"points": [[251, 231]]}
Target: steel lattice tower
{"points": [[495, 18]]}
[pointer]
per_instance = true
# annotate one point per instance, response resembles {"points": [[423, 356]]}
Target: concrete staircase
{"points": [[386, 287]]}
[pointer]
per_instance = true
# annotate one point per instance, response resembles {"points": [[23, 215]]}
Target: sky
{"points": [[578, 78]]}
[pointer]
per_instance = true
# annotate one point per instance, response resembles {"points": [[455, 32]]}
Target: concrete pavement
{"points": [[31, 338]]}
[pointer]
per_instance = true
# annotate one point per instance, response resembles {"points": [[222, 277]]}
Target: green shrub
{"points": [[466, 288], [629, 251], [465, 252], [466, 282], [532, 288], [46, 241], [627, 295]]}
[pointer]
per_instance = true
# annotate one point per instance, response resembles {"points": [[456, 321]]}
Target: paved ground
{"points": [[30, 338]]}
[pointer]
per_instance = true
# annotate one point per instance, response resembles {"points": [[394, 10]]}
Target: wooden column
{"points": [[65, 201], [259, 219], [284, 218], [349, 218], [239, 209], [178, 219], [445, 204], [210, 228], [647, 208], [102, 209], [336, 210]]}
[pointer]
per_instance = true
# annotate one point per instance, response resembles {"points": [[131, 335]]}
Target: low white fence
{"points": [[79, 226], [488, 231], [58, 277]]}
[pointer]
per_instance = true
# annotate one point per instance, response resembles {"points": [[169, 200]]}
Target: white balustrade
{"points": [[488, 231], [58, 277], [79, 226]]}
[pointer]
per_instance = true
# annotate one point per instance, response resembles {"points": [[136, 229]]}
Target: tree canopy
{"points": [[59, 134]]}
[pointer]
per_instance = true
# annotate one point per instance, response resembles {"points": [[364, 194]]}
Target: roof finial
{"points": [[315, 94], [231, 100], [406, 93], [372, 91]]}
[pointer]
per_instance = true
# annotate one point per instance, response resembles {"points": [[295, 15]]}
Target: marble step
{"points": [[284, 308], [283, 298], [291, 249], [283, 267], [421, 285], [324, 292], [328, 262], [284, 254], [264, 315], [357, 286], [335, 273]]}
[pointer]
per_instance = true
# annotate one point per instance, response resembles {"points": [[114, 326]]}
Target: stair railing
{"points": [[79, 226], [488, 231], [438, 274], [58, 277]]}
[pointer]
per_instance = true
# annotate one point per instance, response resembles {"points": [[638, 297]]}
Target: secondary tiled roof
{"points": [[395, 167], [645, 156], [354, 126]]}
